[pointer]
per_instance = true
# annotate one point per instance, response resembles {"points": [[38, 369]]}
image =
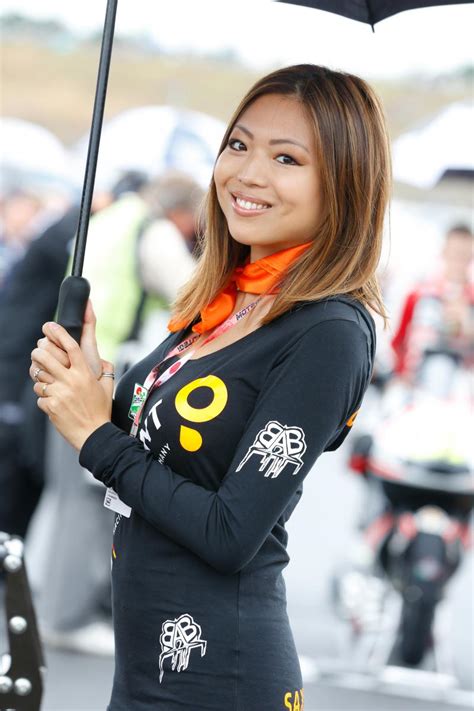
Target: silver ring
{"points": [[108, 375], [45, 385], [36, 373]]}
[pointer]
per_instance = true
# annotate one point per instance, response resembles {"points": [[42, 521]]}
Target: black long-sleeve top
{"points": [[214, 473]]}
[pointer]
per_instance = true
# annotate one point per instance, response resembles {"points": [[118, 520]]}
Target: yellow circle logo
{"points": [[190, 438]]}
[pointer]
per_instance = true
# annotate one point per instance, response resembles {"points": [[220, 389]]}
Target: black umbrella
{"points": [[371, 11]]}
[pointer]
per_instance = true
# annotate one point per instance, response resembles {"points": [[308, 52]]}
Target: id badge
{"points": [[139, 396], [113, 502]]}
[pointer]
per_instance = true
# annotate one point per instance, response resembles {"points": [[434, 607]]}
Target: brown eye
{"points": [[285, 159], [236, 145]]}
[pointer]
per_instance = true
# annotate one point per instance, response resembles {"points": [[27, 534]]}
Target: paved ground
{"points": [[321, 533], [78, 683]]}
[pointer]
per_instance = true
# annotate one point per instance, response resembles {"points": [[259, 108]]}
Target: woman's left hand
{"points": [[75, 401]]}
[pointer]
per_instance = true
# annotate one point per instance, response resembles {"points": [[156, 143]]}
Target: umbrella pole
{"points": [[75, 289]]}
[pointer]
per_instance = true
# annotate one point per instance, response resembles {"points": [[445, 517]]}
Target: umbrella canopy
{"points": [[32, 157], [371, 11], [441, 147], [151, 139]]}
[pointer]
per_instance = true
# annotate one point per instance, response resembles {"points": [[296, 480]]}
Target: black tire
{"points": [[425, 574], [426, 570], [416, 629]]}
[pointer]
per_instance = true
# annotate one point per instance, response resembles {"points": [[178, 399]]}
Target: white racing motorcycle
{"points": [[418, 461]]}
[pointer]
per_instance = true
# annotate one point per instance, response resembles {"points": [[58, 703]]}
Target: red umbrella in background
{"points": [[371, 11]]}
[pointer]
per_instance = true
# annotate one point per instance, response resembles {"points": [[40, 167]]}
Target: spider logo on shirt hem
{"points": [[178, 638]]}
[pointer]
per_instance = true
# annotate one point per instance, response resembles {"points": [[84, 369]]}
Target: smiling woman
{"points": [[271, 350], [311, 145]]}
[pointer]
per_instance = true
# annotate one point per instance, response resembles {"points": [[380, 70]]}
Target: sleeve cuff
{"points": [[99, 448]]}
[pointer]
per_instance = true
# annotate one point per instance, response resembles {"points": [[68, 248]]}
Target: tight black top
{"points": [[212, 477]]}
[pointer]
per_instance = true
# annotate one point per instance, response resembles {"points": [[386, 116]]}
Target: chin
{"points": [[244, 237], [257, 245], [243, 240]]}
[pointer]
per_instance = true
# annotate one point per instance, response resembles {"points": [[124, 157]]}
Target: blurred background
{"points": [[380, 584]]}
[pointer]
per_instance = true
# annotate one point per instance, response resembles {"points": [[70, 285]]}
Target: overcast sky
{"points": [[264, 33]]}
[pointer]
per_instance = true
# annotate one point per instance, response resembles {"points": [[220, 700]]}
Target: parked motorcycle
{"points": [[419, 460]]}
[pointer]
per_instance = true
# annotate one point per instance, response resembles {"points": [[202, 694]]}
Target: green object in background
{"points": [[110, 266]]}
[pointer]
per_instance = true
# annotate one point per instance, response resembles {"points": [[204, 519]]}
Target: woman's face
{"points": [[267, 177]]}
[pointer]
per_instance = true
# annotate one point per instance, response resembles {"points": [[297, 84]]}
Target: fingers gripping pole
{"points": [[75, 290]]}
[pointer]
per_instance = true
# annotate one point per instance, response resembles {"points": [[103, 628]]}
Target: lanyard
{"points": [[153, 381]]}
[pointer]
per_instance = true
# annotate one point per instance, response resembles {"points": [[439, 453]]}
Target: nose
{"points": [[252, 170]]}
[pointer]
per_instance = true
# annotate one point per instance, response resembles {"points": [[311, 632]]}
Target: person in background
{"points": [[30, 296], [440, 309], [19, 211], [139, 253]]}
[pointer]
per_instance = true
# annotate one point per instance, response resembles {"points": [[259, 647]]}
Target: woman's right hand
{"points": [[88, 345]]}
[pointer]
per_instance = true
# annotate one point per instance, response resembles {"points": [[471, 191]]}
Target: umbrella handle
{"points": [[73, 296]]}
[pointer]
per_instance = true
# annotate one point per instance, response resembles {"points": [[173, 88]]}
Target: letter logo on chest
{"points": [[144, 434]]}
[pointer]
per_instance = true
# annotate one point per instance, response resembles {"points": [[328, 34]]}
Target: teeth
{"points": [[250, 205]]}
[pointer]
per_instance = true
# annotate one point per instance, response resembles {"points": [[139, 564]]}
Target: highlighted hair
{"points": [[354, 156]]}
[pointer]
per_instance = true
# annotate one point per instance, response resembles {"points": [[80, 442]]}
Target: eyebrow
{"points": [[274, 141]]}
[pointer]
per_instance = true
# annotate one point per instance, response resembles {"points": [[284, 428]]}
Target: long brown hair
{"points": [[353, 149]]}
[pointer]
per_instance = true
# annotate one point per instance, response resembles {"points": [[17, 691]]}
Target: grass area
{"points": [[56, 88]]}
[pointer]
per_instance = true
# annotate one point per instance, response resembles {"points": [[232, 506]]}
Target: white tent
{"points": [[33, 157], [422, 156], [151, 139]]}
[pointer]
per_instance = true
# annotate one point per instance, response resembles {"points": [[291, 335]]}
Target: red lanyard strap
{"points": [[153, 380]]}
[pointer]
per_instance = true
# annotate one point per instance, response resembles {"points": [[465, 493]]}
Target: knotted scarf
{"points": [[259, 277]]}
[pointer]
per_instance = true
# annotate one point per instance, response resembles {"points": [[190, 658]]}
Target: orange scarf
{"points": [[260, 277]]}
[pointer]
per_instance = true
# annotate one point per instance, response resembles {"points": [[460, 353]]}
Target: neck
{"points": [[259, 252]]}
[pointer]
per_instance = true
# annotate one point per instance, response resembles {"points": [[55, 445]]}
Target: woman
{"points": [[270, 353]]}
